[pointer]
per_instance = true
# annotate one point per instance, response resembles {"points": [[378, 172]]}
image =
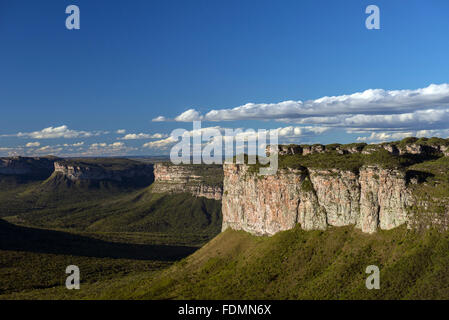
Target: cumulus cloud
{"points": [[189, 116], [377, 137], [32, 144], [98, 145], [137, 136], [228, 133], [110, 149], [114, 145], [160, 119], [54, 132], [420, 118], [121, 131], [160, 144], [78, 144], [46, 150], [369, 102]]}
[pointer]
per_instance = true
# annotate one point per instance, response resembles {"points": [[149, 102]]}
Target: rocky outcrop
{"points": [[270, 204], [79, 170], [264, 205], [23, 166], [395, 148], [200, 180], [339, 194], [384, 199]]}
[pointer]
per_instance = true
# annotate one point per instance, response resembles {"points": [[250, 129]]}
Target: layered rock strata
{"points": [[78, 171], [371, 199], [200, 181]]}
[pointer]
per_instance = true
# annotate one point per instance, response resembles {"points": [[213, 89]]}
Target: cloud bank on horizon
{"points": [[331, 110], [374, 115]]}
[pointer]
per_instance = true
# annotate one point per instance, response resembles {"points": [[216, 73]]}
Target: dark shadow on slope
{"points": [[417, 176], [18, 238]]}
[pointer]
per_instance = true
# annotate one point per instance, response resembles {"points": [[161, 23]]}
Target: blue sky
{"points": [[67, 92]]}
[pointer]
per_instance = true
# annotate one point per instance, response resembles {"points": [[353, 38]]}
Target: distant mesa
{"points": [[198, 180], [102, 169], [37, 167]]}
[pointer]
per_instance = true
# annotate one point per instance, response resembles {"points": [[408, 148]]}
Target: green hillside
{"points": [[128, 205], [294, 264], [138, 211], [297, 264]]}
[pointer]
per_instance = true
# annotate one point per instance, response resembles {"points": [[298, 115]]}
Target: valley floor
{"points": [[33, 260]]}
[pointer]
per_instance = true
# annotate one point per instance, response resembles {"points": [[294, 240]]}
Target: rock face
{"points": [[22, 166], [370, 199], [270, 204], [393, 148], [200, 181], [75, 171]]}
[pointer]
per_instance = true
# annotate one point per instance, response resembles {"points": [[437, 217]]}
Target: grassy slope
{"points": [[139, 211], [432, 191], [107, 206], [310, 265], [294, 264]]}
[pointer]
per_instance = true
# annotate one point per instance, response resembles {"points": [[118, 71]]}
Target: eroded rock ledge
{"points": [[264, 205], [198, 180], [36, 166], [406, 146], [105, 169]]}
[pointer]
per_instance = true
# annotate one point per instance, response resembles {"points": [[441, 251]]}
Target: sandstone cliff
{"points": [[200, 181], [370, 199], [117, 170], [376, 186], [23, 166]]}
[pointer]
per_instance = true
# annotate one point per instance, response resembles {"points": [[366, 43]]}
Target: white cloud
{"points": [[117, 145], [110, 149], [32, 144], [98, 145], [421, 118], [121, 131], [160, 144], [160, 119], [385, 136], [189, 116], [137, 136], [55, 132], [77, 144], [283, 132], [392, 135], [114, 145], [372, 101]]}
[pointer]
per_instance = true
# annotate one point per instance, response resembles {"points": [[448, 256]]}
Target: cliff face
{"points": [[90, 171], [264, 205], [204, 181], [412, 147], [21, 166]]}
